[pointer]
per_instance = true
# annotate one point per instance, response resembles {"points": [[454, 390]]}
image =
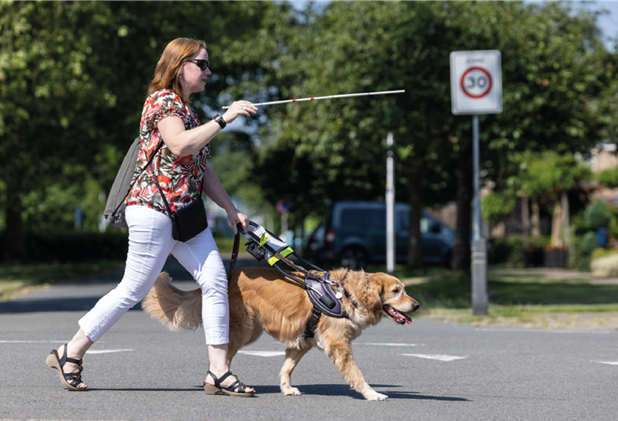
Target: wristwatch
{"points": [[220, 120]]}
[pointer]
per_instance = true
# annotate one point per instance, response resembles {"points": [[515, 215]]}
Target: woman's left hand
{"points": [[235, 217]]}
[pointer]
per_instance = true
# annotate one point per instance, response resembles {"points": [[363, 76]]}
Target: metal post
{"points": [[477, 197], [390, 206], [479, 244]]}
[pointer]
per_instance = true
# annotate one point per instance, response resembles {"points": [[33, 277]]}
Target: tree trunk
{"points": [[525, 220], [461, 248], [557, 224], [14, 247], [536, 222], [415, 244]]}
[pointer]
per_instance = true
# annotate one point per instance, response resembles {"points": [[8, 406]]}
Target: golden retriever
{"points": [[261, 299]]}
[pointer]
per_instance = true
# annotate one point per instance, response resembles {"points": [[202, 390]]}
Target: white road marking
{"points": [[388, 344], [33, 342], [107, 351], [64, 341], [561, 331], [263, 353], [606, 362], [439, 357]]}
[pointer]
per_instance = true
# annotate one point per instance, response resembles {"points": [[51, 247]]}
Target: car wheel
{"points": [[354, 258]]}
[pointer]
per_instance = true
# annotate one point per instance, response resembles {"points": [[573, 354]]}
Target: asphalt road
{"points": [[429, 370]]}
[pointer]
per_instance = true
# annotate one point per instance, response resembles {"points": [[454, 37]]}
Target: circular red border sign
{"points": [[482, 94]]}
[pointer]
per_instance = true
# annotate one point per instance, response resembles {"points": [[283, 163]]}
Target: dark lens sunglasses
{"points": [[202, 64]]}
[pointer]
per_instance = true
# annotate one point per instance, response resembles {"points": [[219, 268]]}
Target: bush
{"points": [[608, 178], [584, 247], [507, 251], [598, 214], [578, 224]]}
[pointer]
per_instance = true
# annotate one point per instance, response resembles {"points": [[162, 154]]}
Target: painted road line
{"points": [[438, 357], [560, 331], [107, 351], [64, 341], [263, 353], [33, 342], [606, 362], [388, 344]]}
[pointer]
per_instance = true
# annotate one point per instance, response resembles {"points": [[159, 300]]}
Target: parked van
{"points": [[353, 234]]}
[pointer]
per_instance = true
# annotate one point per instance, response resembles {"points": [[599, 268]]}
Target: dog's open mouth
{"points": [[396, 315]]}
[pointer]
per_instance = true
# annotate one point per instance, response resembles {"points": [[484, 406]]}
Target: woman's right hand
{"points": [[239, 108]]}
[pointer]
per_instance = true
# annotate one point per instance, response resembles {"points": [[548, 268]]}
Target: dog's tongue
{"points": [[399, 317], [403, 318]]}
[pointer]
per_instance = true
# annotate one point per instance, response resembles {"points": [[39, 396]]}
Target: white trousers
{"points": [[150, 243]]}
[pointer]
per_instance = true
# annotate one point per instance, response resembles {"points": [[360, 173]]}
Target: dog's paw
{"points": [[291, 391], [372, 395]]}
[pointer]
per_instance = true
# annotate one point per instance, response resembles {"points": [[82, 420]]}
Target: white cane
{"points": [[286, 101]]}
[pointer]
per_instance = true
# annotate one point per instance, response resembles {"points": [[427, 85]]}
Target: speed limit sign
{"points": [[476, 82]]}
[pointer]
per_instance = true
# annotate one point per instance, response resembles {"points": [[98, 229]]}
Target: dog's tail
{"points": [[175, 308]]}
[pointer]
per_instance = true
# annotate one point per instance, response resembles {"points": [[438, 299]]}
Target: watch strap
{"points": [[220, 121]]}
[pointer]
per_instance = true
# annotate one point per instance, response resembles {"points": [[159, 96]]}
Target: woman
{"points": [[181, 167]]}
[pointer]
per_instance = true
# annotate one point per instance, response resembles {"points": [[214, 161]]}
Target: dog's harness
{"points": [[263, 244]]}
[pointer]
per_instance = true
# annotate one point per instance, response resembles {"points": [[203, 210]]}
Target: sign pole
{"points": [[479, 244], [476, 88], [476, 160], [390, 206]]}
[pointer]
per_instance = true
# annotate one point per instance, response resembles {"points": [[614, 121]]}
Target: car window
{"points": [[404, 220], [424, 225], [352, 218], [376, 218]]}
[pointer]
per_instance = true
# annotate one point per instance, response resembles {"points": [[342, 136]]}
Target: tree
{"points": [[550, 61], [544, 178], [48, 99], [73, 79]]}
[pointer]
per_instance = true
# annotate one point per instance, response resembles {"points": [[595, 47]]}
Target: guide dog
{"points": [[261, 299]]}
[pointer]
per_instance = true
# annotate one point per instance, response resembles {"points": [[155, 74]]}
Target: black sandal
{"points": [[70, 380], [217, 389]]}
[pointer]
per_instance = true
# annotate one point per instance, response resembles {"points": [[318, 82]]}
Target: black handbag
{"points": [[188, 221]]}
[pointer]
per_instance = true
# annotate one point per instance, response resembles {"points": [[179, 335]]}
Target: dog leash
{"points": [[234, 256]]}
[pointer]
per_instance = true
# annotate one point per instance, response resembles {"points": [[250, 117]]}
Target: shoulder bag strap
{"points": [[167, 205]]}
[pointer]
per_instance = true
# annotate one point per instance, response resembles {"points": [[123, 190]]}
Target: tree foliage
{"points": [[553, 98], [608, 178], [73, 76], [73, 79]]}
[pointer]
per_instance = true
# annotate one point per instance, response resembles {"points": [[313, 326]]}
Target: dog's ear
{"points": [[370, 290]]}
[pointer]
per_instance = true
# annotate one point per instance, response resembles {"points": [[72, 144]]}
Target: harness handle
{"points": [[251, 236]]}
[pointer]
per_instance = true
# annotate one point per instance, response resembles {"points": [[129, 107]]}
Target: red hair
{"points": [[167, 72]]}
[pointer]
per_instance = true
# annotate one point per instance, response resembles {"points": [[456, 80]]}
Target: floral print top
{"points": [[180, 177]]}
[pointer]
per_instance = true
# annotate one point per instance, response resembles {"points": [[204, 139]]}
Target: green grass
{"points": [[453, 290], [515, 299], [18, 278], [15, 278], [518, 298]]}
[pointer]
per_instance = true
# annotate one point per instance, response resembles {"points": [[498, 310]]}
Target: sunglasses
{"points": [[202, 64]]}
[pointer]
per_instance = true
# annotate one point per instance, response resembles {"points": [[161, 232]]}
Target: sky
{"points": [[607, 23]]}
